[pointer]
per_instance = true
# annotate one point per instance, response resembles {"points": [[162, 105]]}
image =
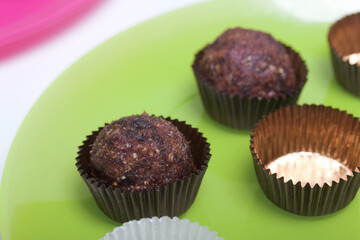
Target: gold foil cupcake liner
{"points": [[243, 112], [170, 200], [315, 130], [344, 44]]}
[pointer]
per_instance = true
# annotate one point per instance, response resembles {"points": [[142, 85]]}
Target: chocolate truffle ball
{"points": [[141, 152], [248, 63]]}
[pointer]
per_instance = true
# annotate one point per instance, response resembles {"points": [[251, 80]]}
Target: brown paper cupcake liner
{"points": [[243, 112], [170, 200], [343, 39], [307, 128]]}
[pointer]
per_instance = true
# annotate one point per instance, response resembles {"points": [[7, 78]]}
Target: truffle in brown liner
{"points": [[312, 129], [344, 40], [170, 200], [242, 112]]}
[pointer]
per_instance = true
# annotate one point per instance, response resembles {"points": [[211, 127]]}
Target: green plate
{"points": [[148, 68]]}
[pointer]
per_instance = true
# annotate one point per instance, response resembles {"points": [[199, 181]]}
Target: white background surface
{"points": [[24, 77]]}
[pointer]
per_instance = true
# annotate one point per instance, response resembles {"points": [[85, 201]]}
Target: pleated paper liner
{"points": [[170, 200], [344, 40], [163, 228], [315, 129], [243, 112]]}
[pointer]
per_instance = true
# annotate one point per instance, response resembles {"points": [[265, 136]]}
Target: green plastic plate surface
{"points": [[149, 68]]}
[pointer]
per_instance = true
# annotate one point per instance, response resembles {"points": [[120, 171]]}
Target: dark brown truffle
{"points": [[248, 63], [141, 152]]}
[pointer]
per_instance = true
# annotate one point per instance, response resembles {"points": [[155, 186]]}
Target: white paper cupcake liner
{"points": [[163, 228]]}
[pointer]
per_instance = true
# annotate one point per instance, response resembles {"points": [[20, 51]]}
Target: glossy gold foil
{"points": [[353, 59], [308, 167]]}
